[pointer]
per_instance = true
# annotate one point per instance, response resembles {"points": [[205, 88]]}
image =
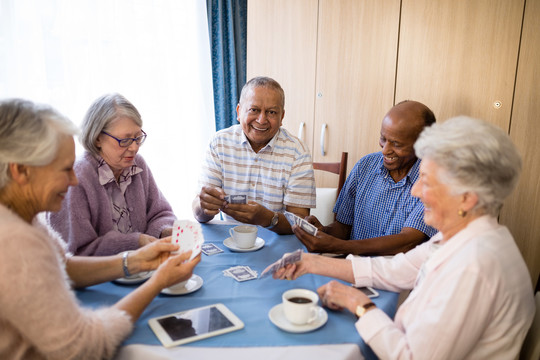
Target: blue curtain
{"points": [[227, 25]]}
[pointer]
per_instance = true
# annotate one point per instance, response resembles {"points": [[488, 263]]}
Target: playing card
{"points": [[286, 259], [187, 234], [307, 227], [210, 249], [290, 217], [241, 273], [237, 199]]}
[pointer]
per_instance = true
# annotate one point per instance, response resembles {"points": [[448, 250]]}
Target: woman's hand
{"points": [[294, 271], [337, 296], [175, 269], [150, 256]]}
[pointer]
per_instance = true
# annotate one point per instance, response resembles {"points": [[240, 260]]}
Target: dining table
{"points": [[251, 301]]}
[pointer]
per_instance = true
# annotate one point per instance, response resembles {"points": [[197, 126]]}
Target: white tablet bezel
{"points": [[369, 291], [166, 340]]}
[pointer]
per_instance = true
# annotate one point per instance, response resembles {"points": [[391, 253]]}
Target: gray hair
{"points": [[263, 81], [476, 157], [29, 134], [101, 114]]}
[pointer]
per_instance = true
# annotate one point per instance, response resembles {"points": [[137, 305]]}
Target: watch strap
{"points": [[361, 309]]}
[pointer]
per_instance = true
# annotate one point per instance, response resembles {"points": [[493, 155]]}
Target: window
{"points": [[156, 53]]}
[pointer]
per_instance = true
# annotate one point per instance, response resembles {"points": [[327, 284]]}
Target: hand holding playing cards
{"points": [[211, 200], [149, 257], [320, 242], [312, 219], [175, 269], [293, 271], [250, 213]]}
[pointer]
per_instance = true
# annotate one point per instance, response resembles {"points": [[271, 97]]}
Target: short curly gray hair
{"points": [[101, 114], [475, 156], [29, 134]]}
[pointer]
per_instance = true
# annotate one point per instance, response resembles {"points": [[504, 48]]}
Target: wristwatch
{"points": [[274, 220], [361, 309]]}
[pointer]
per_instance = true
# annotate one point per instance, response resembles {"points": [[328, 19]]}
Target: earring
{"points": [[462, 213]]}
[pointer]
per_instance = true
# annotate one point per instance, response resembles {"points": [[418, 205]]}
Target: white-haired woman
{"points": [[471, 292], [39, 315], [117, 205]]}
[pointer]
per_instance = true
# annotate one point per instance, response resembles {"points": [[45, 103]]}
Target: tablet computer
{"points": [[194, 324], [369, 291]]}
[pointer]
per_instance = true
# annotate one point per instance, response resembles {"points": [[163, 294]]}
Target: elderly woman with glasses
{"points": [[471, 292], [117, 205]]}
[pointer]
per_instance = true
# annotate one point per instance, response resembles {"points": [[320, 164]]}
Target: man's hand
{"points": [[312, 219], [250, 213], [320, 243], [208, 203]]}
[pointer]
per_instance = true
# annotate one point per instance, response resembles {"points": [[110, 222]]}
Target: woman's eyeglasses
{"points": [[128, 141]]}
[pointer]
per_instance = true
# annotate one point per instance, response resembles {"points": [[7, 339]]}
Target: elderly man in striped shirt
{"points": [[375, 211], [260, 160]]}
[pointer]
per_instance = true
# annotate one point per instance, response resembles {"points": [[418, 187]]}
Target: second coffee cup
{"points": [[244, 236]]}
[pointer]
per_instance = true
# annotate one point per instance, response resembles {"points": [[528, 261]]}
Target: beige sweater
{"points": [[39, 314]]}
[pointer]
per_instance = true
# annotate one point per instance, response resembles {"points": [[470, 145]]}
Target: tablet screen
{"points": [[194, 322]]}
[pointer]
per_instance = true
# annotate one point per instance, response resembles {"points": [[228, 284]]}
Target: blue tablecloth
{"points": [[249, 300]]}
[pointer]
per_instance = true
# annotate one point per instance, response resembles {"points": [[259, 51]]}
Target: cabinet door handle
{"points": [[301, 131], [323, 135]]}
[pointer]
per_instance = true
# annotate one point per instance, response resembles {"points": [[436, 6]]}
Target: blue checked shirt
{"points": [[375, 205]]}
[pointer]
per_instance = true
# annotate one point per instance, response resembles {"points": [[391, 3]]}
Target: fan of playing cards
{"points": [[286, 259], [188, 234], [296, 220]]}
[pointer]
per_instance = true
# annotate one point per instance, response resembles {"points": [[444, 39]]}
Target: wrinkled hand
{"points": [[175, 269], [312, 219], [146, 239], [294, 271], [320, 243], [212, 200], [150, 256], [337, 296], [250, 213]]}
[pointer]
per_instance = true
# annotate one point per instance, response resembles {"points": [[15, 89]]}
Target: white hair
{"points": [[475, 156], [29, 134]]}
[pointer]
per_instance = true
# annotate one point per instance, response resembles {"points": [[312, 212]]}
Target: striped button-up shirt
{"points": [[375, 205], [280, 174]]}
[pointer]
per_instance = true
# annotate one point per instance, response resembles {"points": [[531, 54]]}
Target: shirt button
{"points": [[253, 185], [130, 208]]}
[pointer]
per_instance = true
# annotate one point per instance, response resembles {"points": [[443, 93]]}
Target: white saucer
{"points": [[277, 317], [193, 284], [135, 278], [229, 242]]}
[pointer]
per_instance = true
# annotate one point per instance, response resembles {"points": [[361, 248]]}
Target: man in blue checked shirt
{"points": [[376, 213]]}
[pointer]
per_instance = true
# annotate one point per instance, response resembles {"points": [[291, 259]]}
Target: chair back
{"points": [[326, 197]]}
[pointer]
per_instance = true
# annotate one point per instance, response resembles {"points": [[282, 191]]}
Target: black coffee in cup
{"points": [[299, 300]]}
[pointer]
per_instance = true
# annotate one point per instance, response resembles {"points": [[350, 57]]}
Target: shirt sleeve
{"points": [[212, 169], [300, 191], [346, 200], [450, 326], [415, 220], [39, 306]]}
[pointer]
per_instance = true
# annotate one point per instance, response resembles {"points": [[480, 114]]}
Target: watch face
{"points": [[275, 219]]}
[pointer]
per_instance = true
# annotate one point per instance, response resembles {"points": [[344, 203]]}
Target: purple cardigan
{"points": [[85, 220]]}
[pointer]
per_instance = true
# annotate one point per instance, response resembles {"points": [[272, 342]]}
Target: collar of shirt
{"points": [[456, 243], [106, 175], [267, 148], [411, 176]]}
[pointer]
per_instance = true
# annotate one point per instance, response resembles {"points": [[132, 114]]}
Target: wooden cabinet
{"points": [[336, 63], [344, 63]]}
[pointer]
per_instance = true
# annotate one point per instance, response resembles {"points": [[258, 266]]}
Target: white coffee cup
{"points": [[244, 235], [300, 306]]}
